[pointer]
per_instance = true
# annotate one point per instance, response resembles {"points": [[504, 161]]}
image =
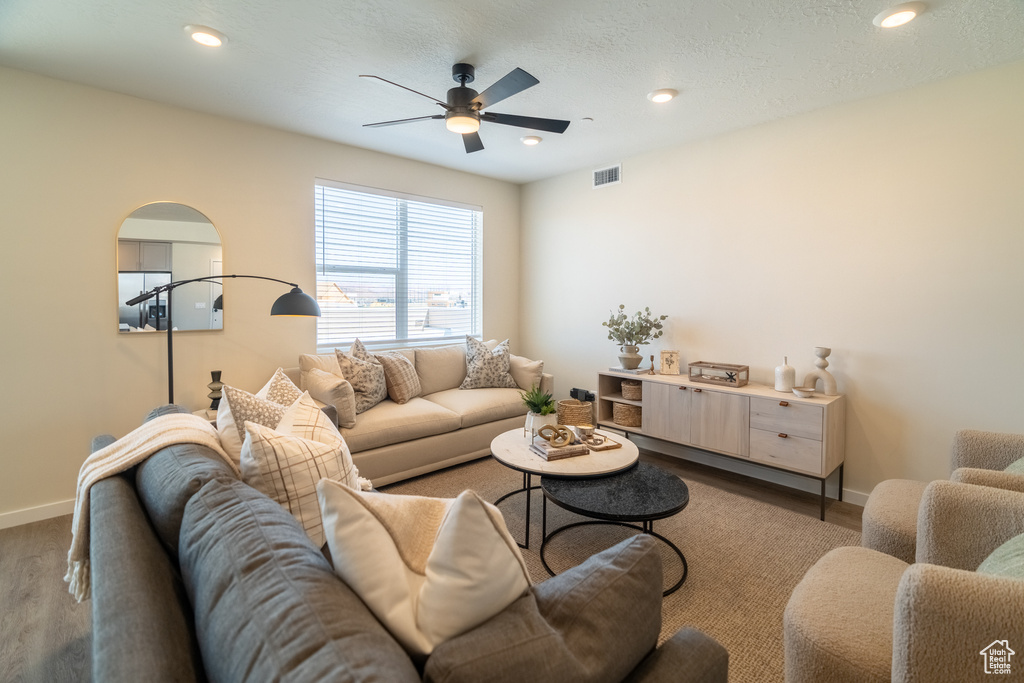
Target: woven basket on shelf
{"points": [[632, 389], [572, 412], [626, 415]]}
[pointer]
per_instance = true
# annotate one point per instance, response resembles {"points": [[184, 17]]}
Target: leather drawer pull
{"points": [[783, 436], [784, 403], [696, 391], [682, 388]]}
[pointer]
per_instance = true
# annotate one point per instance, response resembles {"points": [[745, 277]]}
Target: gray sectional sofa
{"points": [[197, 576], [441, 427]]}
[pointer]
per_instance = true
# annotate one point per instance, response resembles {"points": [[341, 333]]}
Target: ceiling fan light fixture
{"points": [[662, 95], [204, 35], [531, 140], [461, 123], [899, 15]]}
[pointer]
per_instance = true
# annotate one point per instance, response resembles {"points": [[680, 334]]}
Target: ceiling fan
{"points": [[463, 109]]}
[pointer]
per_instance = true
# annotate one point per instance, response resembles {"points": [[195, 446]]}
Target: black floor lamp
{"points": [[294, 303]]}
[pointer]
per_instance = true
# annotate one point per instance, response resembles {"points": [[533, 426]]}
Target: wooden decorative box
{"points": [[723, 374]]}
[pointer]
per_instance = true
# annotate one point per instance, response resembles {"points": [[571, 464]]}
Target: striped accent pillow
{"points": [[400, 376]]}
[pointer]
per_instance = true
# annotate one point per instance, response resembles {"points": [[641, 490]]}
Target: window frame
{"points": [[401, 270]]}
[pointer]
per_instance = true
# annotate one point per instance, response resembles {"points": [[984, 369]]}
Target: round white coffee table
{"points": [[512, 449]]}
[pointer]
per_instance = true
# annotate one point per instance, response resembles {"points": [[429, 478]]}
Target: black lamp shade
{"points": [[296, 302]]}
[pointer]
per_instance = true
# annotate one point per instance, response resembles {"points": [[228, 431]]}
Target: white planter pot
{"points": [[534, 421]]}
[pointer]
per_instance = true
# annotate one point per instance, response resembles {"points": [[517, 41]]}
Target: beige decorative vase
{"points": [[629, 358]]}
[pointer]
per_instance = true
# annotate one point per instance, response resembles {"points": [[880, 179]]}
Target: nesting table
{"points": [[610, 487]]}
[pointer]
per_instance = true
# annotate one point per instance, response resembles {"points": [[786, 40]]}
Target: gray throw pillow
{"points": [[267, 605]]}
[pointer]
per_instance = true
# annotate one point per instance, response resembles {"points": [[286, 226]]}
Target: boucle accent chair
{"points": [[890, 516], [861, 616]]}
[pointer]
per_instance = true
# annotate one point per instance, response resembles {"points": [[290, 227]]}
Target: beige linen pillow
{"points": [[328, 362], [336, 391], [527, 373], [235, 409], [280, 389], [364, 374], [440, 368], [486, 368], [428, 568], [400, 376]]}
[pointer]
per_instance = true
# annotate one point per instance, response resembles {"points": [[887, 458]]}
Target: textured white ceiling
{"points": [[294, 64]]}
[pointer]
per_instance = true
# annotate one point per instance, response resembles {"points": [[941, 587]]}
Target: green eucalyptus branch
{"points": [[635, 330]]}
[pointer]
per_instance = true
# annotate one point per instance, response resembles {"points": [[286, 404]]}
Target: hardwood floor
{"points": [[45, 636]]}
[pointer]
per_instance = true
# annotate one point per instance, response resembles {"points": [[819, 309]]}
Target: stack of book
{"points": [[549, 452]]}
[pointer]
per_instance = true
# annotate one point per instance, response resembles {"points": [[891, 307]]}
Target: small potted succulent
{"points": [[631, 332], [542, 409]]}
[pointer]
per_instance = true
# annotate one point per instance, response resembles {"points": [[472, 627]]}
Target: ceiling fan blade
{"points": [[511, 83], [381, 124], [443, 104], [473, 142], [548, 125]]}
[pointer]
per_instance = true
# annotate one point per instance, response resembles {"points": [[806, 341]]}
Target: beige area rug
{"points": [[744, 556]]}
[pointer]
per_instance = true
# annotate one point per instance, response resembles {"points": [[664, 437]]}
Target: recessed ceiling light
{"points": [[663, 95], [899, 15], [531, 140], [204, 35]]}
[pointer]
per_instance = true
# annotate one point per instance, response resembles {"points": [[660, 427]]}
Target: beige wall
{"points": [[891, 230], [76, 162]]}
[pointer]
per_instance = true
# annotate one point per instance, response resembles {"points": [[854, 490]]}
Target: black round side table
{"points": [[643, 494]]}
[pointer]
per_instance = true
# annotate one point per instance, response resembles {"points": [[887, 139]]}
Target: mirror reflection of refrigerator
{"points": [[129, 286]]}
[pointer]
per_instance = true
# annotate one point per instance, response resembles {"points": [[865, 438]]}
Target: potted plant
{"points": [[542, 409], [631, 332]]}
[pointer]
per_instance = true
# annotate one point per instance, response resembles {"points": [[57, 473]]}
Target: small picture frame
{"points": [[670, 362]]}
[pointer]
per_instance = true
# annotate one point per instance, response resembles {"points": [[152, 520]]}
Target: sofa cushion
{"points": [[429, 568], [486, 367], [400, 375], [389, 423], [440, 368], [280, 389], [328, 362], [365, 374], [238, 406], [267, 605], [167, 480], [594, 622], [527, 373], [480, 405], [333, 390]]}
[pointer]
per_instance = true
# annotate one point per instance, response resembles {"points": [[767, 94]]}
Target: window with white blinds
{"points": [[395, 269]]}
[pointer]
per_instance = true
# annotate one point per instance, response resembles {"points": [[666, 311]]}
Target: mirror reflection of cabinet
{"points": [[147, 256], [165, 242]]}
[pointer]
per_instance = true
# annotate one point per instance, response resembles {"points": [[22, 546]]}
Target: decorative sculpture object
{"points": [[556, 435], [215, 386], [828, 382]]}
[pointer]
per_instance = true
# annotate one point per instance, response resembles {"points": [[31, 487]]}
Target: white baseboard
{"points": [[793, 481], [36, 514]]}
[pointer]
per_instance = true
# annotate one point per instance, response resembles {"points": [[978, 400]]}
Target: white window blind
{"points": [[394, 269]]}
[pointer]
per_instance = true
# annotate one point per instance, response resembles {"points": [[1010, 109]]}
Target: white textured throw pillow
{"points": [[486, 368], [280, 389], [235, 408], [428, 568]]}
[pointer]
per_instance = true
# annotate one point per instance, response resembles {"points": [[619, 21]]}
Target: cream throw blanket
{"points": [[124, 453]]}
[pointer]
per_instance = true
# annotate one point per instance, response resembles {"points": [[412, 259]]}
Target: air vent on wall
{"points": [[611, 175]]}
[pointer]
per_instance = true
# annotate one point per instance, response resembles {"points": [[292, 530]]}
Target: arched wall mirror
{"points": [[165, 242]]}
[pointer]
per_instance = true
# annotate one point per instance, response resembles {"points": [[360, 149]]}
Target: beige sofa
{"points": [[441, 427]]}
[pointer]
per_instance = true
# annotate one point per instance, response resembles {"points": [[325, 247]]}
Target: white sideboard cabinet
{"points": [[806, 436]]}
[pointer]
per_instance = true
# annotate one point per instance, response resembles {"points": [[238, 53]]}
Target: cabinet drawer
{"points": [[795, 419], [791, 451]]}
